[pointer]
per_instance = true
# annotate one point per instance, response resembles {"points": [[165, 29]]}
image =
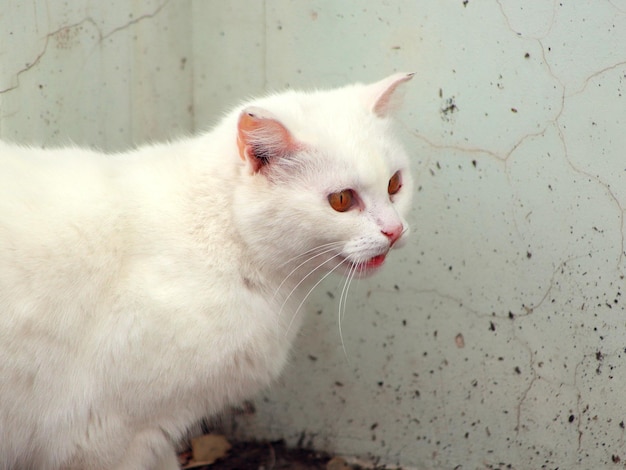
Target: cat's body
{"points": [[142, 291]]}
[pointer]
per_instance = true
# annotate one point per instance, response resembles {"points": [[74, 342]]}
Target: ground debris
{"points": [[255, 455], [206, 450]]}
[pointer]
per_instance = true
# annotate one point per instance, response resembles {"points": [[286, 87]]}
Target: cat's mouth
{"points": [[364, 268], [375, 262]]}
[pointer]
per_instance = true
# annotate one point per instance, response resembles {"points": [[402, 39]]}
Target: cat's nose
{"points": [[393, 233]]}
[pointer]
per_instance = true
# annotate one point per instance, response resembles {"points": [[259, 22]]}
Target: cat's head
{"points": [[325, 185]]}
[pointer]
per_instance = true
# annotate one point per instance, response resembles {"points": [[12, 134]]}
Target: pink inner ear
{"points": [[261, 138], [384, 92]]}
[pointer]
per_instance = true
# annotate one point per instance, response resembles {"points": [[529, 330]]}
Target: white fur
{"points": [[140, 292]]}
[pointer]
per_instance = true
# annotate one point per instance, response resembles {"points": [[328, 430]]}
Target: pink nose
{"points": [[393, 233]]}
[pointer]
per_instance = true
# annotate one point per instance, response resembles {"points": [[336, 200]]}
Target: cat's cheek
{"points": [[402, 202]]}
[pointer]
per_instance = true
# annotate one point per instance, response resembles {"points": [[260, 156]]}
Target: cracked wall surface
{"points": [[109, 75], [497, 337]]}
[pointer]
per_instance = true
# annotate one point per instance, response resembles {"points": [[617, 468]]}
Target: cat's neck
{"points": [[220, 213]]}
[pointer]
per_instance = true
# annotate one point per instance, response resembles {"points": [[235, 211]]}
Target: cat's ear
{"points": [[261, 138], [382, 97]]}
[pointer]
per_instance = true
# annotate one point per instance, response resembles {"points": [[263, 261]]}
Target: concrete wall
{"points": [[106, 74], [497, 336]]}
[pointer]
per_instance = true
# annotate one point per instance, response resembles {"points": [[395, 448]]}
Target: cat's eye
{"points": [[342, 201], [395, 183]]}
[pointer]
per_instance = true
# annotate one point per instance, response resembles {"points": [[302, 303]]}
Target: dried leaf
{"points": [[337, 463], [207, 449]]}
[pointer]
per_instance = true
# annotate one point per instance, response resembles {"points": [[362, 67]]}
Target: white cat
{"points": [[142, 291]]}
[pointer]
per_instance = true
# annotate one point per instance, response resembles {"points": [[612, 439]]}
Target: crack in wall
{"points": [[135, 21], [518, 33], [612, 198], [101, 37]]}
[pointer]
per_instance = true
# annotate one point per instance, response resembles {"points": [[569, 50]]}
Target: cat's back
{"points": [[55, 211], [35, 180], [77, 223]]}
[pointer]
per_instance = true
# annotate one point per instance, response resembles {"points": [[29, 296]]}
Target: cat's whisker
{"points": [[328, 250], [312, 250], [343, 298], [343, 295], [311, 290], [306, 277]]}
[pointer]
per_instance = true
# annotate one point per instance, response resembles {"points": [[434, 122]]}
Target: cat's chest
{"points": [[227, 325], [220, 327]]}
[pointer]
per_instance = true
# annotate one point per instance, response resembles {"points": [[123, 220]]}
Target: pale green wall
{"points": [[107, 74], [497, 335]]}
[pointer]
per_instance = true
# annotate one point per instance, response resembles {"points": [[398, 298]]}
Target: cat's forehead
{"points": [[346, 138], [337, 118], [355, 152]]}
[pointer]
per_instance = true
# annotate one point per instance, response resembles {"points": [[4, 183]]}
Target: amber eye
{"points": [[395, 183], [341, 201]]}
